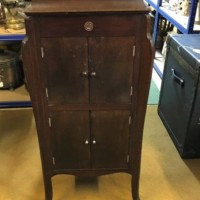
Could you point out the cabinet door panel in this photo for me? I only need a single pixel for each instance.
(111, 58)
(109, 140)
(70, 130)
(63, 62)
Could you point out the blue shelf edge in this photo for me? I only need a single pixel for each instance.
(160, 74)
(174, 22)
(15, 104)
(12, 37)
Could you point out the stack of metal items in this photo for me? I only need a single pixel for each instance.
(12, 14)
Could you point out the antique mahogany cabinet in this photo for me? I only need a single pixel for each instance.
(88, 68)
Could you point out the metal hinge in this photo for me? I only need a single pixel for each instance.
(128, 158)
(129, 120)
(49, 122)
(42, 52)
(47, 92)
(198, 121)
(131, 93)
(53, 159)
(134, 50)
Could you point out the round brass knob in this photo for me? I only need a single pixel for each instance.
(84, 74)
(93, 74)
(86, 142)
(88, 26)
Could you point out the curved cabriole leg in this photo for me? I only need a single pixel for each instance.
(48, 188)
(135, 188)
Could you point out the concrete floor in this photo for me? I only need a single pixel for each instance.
(164, 175)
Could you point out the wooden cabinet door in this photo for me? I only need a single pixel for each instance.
(80, 141)
(70, 134)
(64, 62)
(85, 139)
(111, 69)
(110, 139)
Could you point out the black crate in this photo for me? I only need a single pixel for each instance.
(179, 103)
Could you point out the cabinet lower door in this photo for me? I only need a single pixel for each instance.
(95, 139)
(110, 136)
(70, 136)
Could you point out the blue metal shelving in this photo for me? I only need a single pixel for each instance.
(187, 27)
(12, 37)
(13, 103)
(174, 18)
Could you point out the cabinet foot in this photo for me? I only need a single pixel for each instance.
(48, 189)
(135, 187)
(136, 198)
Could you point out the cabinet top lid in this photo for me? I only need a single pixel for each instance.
(85, 6)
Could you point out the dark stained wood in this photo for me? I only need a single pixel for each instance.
(110, 132)
(88, 69)
(91, 6)
(103, 25)
(60, 54)
(70, 134)
(111, 59)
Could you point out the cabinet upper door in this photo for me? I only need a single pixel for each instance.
(64, 63)
(95, 70)
(111, 69)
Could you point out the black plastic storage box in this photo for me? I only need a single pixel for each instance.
(179, 104)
